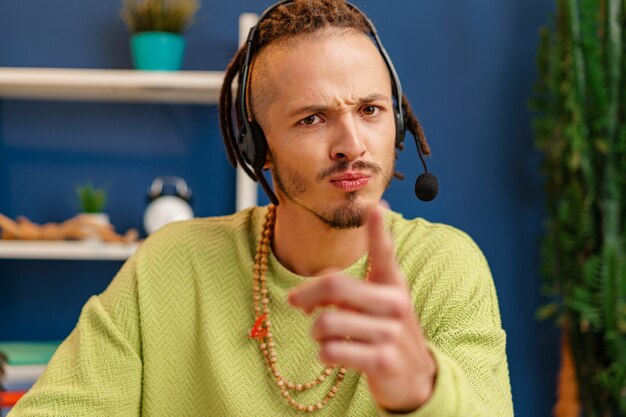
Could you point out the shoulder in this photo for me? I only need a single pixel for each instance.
(202, 236)
(420, 238)
(445, 268)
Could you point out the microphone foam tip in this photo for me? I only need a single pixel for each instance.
(426, 187)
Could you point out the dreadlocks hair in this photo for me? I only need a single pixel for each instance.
(289, 21)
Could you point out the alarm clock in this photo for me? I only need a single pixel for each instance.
(169, 199)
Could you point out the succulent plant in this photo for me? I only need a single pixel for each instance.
(159, 15)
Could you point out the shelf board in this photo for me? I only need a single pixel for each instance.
(66, 250)
(190, 87)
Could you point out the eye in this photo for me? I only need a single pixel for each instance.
(370, 110)
(311, 120)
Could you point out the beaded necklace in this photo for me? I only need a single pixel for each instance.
(265, 336)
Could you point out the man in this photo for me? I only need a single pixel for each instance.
(308, 306)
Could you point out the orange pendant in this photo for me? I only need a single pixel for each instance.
(259, 332)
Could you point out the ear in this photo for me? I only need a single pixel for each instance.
(268, 161)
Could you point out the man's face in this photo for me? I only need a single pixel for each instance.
(329, 125)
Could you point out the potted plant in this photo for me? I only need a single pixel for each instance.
(92, 202)
(157, 42)
(580, 100)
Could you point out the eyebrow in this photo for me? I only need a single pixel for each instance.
(321, 109)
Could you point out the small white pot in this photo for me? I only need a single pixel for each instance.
(97, 218)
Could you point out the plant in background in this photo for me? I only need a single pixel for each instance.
(172, 16)
(580, 100)
(91, 199)
(157, 43)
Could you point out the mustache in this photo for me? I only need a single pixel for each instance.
(346, 165)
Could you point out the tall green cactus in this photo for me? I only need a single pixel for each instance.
(580, 125)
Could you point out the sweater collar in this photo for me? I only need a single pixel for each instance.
(286, 279)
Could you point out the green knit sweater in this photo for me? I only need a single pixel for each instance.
(168, 337)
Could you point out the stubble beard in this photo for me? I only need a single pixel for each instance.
(349, 214)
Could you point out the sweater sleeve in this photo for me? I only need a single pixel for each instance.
(97, 370)
(459, 312)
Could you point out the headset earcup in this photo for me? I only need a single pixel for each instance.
(253, 146)
(246, 148)
(260, 146)
(400, 128)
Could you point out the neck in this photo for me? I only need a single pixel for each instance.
(307, 246)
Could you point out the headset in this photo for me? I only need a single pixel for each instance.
(251, 142)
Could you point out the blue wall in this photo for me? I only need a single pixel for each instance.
(467, 67)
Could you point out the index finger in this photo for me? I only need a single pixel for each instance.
(382, 253)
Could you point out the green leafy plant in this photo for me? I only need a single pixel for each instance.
(159, 15)
(580, 100)
(91, 199)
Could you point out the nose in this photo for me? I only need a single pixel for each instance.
(348, 144)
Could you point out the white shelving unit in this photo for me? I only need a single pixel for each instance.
(180, 87)
(66, 250)
(112, 85)
(193, 87)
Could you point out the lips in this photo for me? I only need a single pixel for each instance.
(350, 181)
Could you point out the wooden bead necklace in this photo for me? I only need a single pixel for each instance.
(265, 336)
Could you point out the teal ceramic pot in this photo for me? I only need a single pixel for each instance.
(157, 51)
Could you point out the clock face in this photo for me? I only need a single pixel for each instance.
(164, 210)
